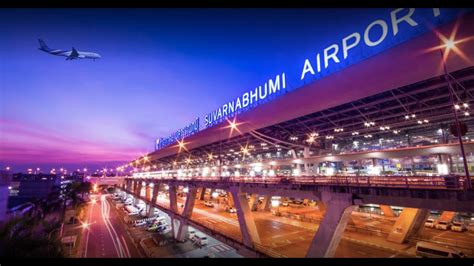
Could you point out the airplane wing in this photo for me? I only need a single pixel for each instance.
(74, 53)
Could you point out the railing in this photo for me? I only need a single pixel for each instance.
(450, 182)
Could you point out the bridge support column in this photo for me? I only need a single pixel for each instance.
(148, 192)
(451, 165)
(210, 194)
(135, 187)
(247, 225)
(138, 192)
(407, 224)
(266, 203)
(253, 202)
(139, 188)
(230, 200)
(387, 210)
(326, 240)
(202, 194)
(129, 185)
(321, 207)
(447, 216)
(306, 155)
(173, 198)
(176, 224)
(156, 188)
(187, 212)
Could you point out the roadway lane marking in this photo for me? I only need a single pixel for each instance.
(285, 235)
(88, 231)
(107, 226)
(126, 247)
(122, 250)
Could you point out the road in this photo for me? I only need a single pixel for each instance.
(292, 238)
(104, 233)
(288, 237)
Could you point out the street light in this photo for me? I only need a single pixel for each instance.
(85, 226)
(449, 44)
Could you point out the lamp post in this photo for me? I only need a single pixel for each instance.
(458, 127)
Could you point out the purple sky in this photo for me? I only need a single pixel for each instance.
(160, 69)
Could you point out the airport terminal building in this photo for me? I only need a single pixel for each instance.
(377, 123)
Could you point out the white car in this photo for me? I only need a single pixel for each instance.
(430, 223)
(458, 227)
(208, 204)
(231, 210)
(442, 225)
(285, 204)
(139, 223)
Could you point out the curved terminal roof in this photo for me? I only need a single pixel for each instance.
(398, 70)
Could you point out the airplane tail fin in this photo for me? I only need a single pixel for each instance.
(43, 45)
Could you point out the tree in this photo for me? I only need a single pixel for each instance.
(19, 238)
(85, 187)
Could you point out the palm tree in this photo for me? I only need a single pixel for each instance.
(19, 238)
(85, 187)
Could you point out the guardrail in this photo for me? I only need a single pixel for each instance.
(449, 182)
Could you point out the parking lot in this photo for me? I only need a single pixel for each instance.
(153, 233)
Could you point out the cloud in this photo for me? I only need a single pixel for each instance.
(32, 143)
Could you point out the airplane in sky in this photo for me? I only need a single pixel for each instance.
(70, 55)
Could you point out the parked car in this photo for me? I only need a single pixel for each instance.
(430, 250)
(458, 226)
(191, 234)
(285, 204)
(208, 204)
(443, 225)
(231, 209)
(430, 223)
(139, 223)
(298, 201)
(200, 239)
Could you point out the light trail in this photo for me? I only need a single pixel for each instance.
(104, 215)
(122, 250)
(88, 231)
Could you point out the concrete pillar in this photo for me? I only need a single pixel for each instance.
(447, 216)
(173, 198)
(387, 210)
(247, 225)
(451, 165)
(148, 192)
(230, 200)
(139, 188)
(176, 223)
(266, 203)
(253, 202)
(203, 193)
(187, 212)
(156, 188)
(321, 206)
(210, 194)
(407, 224)
(135, 187)
(306, 155)
(326, 240)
